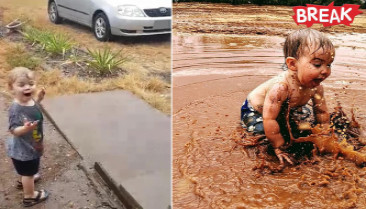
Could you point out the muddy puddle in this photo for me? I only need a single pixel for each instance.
(219, 56)
(212, 76)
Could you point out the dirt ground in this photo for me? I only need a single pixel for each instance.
(70, 181)
(220, 54)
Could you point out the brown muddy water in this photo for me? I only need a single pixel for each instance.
(212, 76)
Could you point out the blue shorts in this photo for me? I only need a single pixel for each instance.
(251, 119)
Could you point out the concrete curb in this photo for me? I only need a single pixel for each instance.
(119, 191)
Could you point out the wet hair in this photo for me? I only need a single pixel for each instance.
(19, 72)
(297, 42)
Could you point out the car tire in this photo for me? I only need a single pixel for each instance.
(101, 27)
(53, 13)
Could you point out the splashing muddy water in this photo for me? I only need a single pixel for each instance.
(212, 76)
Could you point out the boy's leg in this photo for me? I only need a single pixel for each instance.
(36, 178)
(32, 197)
(28, 186)
(27, 169)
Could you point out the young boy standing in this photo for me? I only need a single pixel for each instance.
(26, 124)
(308, 57)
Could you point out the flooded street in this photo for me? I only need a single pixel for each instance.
(212, 75)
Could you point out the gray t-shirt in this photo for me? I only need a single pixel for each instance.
(30, 145)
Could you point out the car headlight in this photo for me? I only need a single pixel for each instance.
(130, 11)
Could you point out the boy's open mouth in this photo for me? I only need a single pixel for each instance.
(318, 80)
(27, 94)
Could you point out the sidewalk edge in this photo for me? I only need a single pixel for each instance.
(122, 194)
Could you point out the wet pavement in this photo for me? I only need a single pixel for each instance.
(130, 139)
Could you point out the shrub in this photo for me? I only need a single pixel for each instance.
(105, 61)
(56, 44)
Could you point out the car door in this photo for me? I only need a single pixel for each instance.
(64, 10)
(82, 10)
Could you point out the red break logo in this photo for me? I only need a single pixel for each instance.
(326, 15)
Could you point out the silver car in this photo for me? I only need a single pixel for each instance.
(115, 17)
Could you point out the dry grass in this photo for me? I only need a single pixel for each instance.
(17, 56)
(136, 83)
(56, 84)
(155, 84)
(150, 91)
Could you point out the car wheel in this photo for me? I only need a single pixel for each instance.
(53, 13)
(101, 27)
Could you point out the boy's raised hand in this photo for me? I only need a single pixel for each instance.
(40, 94)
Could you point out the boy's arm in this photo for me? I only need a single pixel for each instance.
(21, 130)
(271, 108)
(320, 107)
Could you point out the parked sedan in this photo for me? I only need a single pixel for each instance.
(115, 17)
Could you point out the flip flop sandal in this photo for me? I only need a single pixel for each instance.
(27, 202)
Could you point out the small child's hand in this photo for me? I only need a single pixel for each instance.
(283, 156)
(29, 126)
(40, 94)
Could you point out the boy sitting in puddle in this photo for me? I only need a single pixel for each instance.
(308, 57)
